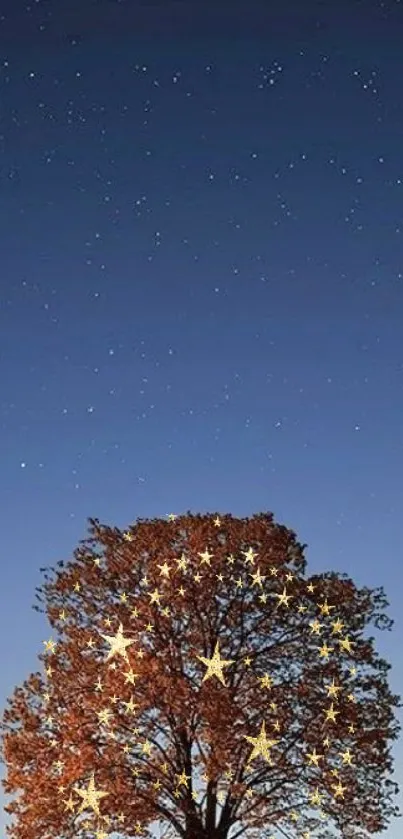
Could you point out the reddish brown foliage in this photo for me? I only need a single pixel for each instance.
(177, 588)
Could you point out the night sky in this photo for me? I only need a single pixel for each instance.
(201, 289)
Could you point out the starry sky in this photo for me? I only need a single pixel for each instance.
(201, 288)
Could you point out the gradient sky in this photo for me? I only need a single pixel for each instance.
(201, 290)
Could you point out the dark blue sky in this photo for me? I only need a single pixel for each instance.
(201, 282)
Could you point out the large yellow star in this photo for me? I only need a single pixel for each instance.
(283, 598)
(313, 757)
(118, 644)
(257, 578)
(261, 744)
(90, 797)
(214, 665)
(205, 557)
(333, 689)
(347, 757)
(331, 713)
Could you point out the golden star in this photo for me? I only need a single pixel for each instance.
(339, 790)
(164, 569)
(266, 681)
(331, 714)
(333, 689)
(261, 744)
(250, 556)
(69, 804)
(316, 627)
(217, 522)
(130, 706)
(182, 563)
(311, 588)
(230, 559)
(313, 757)
(257, 578)
(104, 716)
(316, 797)
(205, 557)
(337, 626)
(90, 797)
(215, 665)
(238, 583)
(155, 596)
(347, 757)
(118, 644)
(183, 779)
(146, 748)
(283, 598)
(128, 536)
(325, 608)
(345, 644)
(50, 646)
(325, 651)
(130, 677)
(172, 517)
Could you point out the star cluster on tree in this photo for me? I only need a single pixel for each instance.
(199, 678)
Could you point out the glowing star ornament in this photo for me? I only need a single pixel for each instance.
(261, 744)
(215, 665)
(117, 643)
(90, 797)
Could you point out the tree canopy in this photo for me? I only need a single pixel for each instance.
(199, 678)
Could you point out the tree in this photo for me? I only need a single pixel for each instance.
(201, 679)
